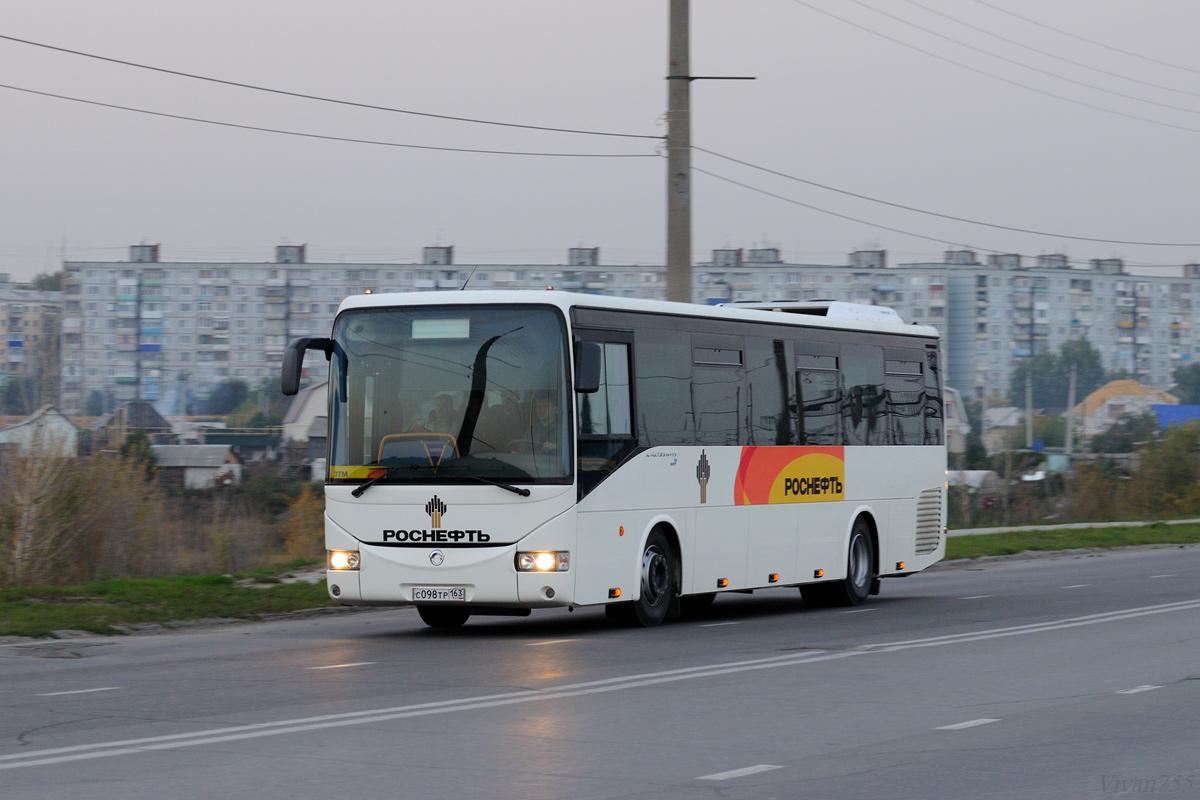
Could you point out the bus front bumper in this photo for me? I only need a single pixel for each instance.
(474, 576)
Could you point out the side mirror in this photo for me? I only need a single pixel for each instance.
(293, 361)
(588, 360)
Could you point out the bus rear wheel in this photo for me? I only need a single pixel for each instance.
(855, 588)
(443, 617)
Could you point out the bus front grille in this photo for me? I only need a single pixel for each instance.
(929, 521)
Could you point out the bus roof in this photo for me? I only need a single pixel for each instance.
(772, 312)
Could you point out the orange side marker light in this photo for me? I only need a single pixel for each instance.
(614, 593)
(773, 577)
(818, 573)
(900, 565)
(722, 583)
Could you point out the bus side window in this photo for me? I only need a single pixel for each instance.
(862, 403)
(904, 389)
(934, 421)
(819, 400)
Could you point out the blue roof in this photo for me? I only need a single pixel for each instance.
(1175, 415)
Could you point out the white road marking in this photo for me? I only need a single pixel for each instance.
(977, 597)
(80, 691)
(973, 723)
(1168, 575)
(1076, 586)
(739, 773)
(549, 641)
(58, 755)
(340, 666)
(1139, 689)
(719, 624)
(859, 610)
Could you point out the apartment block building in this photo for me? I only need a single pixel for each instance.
(166, 330)
(28, 329)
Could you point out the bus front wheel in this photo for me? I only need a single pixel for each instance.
(443, 617)
(658, 581)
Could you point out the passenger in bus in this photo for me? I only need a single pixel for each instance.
(441, 419)
(544, 423)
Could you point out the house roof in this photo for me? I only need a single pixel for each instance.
(1125, 388)
(138, 414)
(192, 455)
(297, 406)
(44, 411)
(319, 428)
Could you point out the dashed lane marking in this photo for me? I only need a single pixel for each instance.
(80, 691)
(971, 723)
(739, 773)
(342, 666)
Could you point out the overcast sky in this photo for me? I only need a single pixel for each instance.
(834, 102)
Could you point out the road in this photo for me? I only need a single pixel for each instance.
(1068, 676)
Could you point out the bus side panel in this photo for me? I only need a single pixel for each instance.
(898, 539)
(772, 544)
(606, 556)
(820, 540)
(720, 545)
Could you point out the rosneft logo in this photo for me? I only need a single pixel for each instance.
(435, 508)
(769, 475)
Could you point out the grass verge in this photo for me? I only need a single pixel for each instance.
(1002, 544)
(102, 606)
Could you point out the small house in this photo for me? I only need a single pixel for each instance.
(197, 466)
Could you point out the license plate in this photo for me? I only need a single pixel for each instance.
(455, 593)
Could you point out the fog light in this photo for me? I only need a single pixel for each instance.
(543, 562)
(343, 559)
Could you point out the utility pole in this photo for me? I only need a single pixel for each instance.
(679, 158)
(679, 152)
(1070, 415)
(1029, 409)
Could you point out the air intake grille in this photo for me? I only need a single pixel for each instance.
(929, 521)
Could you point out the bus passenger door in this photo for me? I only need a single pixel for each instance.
(608, 497)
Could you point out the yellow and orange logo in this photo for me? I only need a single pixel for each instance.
(790, 475)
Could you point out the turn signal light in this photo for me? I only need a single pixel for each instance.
(722, 583)
(614, 593)
(900, 565)
(773, 577)
(818, 573)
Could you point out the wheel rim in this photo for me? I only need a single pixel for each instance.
(655, 573)
(860, 560)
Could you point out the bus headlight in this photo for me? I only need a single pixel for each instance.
(343, 559)
(543, 562)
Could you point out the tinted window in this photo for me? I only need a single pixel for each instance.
(904, 387)
(767, 397)
(933, 399)
(718, 394)
(663, 377)
(819, 400)
(607, 412)
(862, 404)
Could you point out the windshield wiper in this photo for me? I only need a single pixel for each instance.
(367, 484)
(508, 486)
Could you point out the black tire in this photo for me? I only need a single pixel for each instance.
(696, 605)
(861, 574)
(659, 580)
(860, 568)
(443, 616)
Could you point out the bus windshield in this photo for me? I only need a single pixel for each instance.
(450, 394)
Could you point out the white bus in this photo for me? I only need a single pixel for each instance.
(496, 452)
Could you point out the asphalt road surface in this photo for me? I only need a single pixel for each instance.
(1064, 677)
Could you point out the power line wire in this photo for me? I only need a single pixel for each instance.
(916, 210)
(1084, 39)
(994, 76)
(835, 213)
(1017, 63)
(320, 98)
(322, 136)
(1047, 53)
